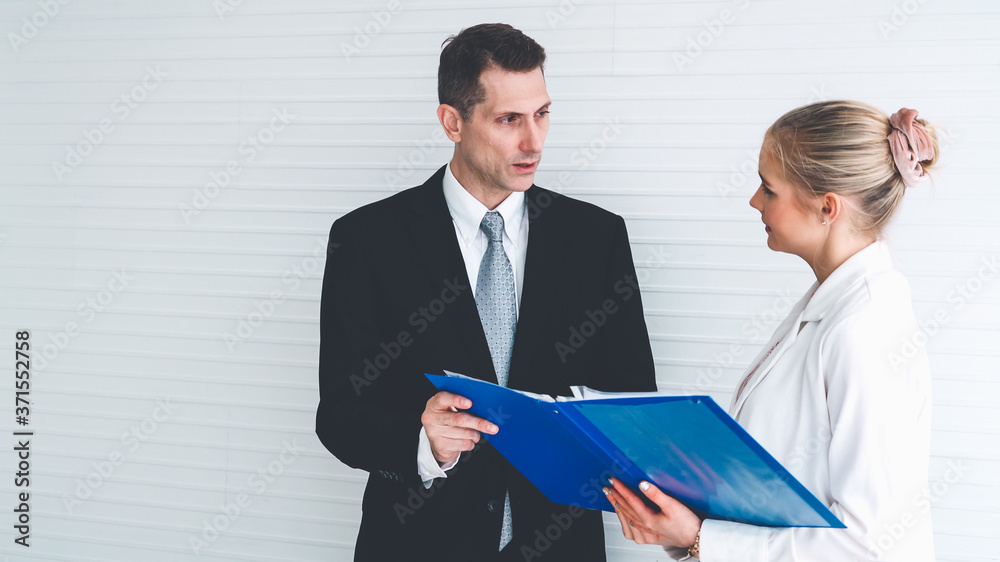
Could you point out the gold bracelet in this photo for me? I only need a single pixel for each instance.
(693, 551)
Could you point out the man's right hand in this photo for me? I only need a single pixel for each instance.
(449, 430)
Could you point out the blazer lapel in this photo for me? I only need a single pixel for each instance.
(543, 265)
(815, 304)
(788, 331)
(763, 370)
(433, 234)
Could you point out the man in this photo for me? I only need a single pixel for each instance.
(476, 271)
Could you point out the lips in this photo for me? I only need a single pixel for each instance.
(526, 166)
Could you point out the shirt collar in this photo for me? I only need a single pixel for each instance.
(468, 212)
(872, 259)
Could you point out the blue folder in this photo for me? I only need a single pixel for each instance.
(687, 445)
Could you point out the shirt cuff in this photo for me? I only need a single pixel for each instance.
(727, 540)
(427, 466)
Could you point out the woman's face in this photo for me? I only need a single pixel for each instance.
(790, 227)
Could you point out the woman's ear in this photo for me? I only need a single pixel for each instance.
(832, 207)
(451, 120)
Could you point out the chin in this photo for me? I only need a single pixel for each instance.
(522, 184)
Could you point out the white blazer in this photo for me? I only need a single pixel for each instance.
(843, 402)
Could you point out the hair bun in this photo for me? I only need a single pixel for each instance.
(911, 144)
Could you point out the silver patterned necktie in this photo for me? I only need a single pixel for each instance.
(497, 306)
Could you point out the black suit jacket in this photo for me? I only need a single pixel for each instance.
(397, 303)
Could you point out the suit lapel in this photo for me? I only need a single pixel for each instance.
(542, 273)
(789, 330)
(763, 370)
(433, 234)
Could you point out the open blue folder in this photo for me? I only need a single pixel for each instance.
(687, 445)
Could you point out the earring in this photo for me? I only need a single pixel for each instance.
(824, 222)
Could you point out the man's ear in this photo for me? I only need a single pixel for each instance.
(452, 122)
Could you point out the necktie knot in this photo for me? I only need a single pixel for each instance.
(492, 225)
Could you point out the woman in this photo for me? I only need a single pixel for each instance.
(837, 395)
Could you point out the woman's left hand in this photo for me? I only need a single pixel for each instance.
(675, 525)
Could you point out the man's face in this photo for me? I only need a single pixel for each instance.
(501, 143)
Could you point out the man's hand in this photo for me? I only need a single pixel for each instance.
(450, 431)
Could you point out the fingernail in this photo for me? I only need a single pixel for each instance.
(607, 492)
(494, 428)
(643, 485)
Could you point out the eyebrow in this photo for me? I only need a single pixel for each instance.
(543, 108)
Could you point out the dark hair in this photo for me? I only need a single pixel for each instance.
(465, 56)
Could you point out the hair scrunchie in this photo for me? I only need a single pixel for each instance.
(910, 144)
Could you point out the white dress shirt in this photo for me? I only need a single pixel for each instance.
(467, 213)
(844, 404)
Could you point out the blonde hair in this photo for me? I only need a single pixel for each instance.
(840, 147)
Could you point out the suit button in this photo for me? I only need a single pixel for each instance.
(494, 506)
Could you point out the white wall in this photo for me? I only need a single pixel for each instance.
(201, 262)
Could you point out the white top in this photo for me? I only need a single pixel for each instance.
(843, 402)
(467, 213)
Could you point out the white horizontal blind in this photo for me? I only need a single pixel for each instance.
(202, 150)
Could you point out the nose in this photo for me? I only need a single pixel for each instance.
(533, 137)
(755, 200)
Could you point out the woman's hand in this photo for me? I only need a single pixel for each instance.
(675, 525)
